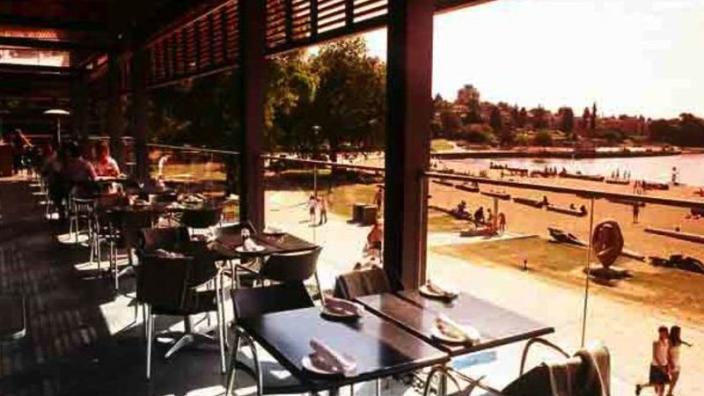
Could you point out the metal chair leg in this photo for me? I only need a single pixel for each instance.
(220, 323)
(150, 335)
(232, 369)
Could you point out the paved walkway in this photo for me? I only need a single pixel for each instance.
(626, 328)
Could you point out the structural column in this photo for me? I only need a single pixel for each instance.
(409, 106)
(139, 112)
(79, 104)
(252, 74)
(114, 113)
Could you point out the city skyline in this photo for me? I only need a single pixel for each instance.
(644, 59)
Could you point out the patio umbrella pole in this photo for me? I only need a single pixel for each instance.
(586, 271)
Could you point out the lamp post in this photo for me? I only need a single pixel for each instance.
(58, 113)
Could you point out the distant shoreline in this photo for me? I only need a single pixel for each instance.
(561, 153)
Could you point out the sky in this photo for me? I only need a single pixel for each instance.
(630, 56)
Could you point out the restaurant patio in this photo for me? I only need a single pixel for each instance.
(182, 270)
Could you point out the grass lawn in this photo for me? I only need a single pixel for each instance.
(441, 145)
(662, 289)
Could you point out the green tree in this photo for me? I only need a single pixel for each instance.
(543, 138)
(566, 120)
(349, 104)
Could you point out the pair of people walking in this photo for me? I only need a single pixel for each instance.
(317, 205)
(665, 366)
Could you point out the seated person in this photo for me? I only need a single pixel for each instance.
(479, 215)
(78, 171)
(105, 165)
(583, 209)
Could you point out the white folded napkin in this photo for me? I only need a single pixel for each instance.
(250, 246)
(328, 359)
(452, 329)
(342, 307)
(435, 288)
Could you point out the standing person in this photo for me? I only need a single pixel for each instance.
(675, 175)
(659, 367)
(19, 143)
(502, 222)
(323, 210)
(379, 197)
(375, 239)
(673, 356)
(312, 204)
(636, 212)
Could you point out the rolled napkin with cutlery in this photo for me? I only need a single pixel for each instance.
(327, 359)
(452, 329)
(342, 307)
(440, 290)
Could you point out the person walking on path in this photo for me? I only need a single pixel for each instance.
(636, 212)
(673, 357)
(323, 210)
(659, 366)
(312, 204)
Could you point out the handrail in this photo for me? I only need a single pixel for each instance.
(325, 163)
(191, 148)
(581, 192)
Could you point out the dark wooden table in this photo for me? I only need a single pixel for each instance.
(13, 324)
(380, 347)
(497, 326)
(280, 243)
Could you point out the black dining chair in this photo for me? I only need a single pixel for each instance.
(251, 303)
(362, 282)
(292, 267)
(233, 261)
(201, 218)
(126, 233)
(164, 288)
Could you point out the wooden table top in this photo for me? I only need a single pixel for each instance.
(380, 347)
(497, 326)
(13, 325)
(281, 243)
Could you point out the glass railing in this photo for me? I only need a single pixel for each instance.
(528, 249)
(190, 170)
(334, 205)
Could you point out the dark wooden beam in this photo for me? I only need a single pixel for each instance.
(58, 45)
(253, 65)
(113, 109)
(43, 23)
(140, 65)
(50, 71)
(409, 107)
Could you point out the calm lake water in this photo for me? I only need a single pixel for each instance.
(657, 169)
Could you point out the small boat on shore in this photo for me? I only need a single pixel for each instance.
(468, 187)
(628, 202)
(443, 183)
(685, 236)
(655, 186)
(536, 203)
(622, 182)
(569, 211)
(497, 194)
(580, 176)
